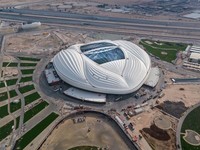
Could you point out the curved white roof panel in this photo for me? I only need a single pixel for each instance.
(114, 67)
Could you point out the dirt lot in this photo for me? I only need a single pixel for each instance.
(159, 139)
(15, 2)
(188, 94)
(44, 42)
(32, 42)
(69, 135)
(144, 119)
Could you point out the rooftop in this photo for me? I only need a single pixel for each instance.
(102, 52)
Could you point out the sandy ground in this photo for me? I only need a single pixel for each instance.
(189, 96)
(52, 41)
(8, 59)
(16, 2)
(32, 42)
(120, 2)
(89, 7)
(144, 119)
(69, 135)
(162, 145)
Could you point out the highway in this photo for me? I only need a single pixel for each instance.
(180, 30)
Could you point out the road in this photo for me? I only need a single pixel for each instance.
(189, 31)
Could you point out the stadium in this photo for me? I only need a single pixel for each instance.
(110, 67)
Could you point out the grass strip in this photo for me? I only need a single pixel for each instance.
(11, 82)
(35, 131)
(28, 64)
(8, 64)
(32, 97)
(35, 110)
(7, 129)
(2, 84)
(27, 71)
(13, 108)
(26, 88)
(8, 82)
(4, 95)
(26, 79)
(29, 59)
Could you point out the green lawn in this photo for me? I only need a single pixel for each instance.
(13, 108)
(12, 64)
(27, 71)
(84, 148)
(26, 88)
(186, 146)
(3, 111)
(2, 84)
(169, 48)
(7, 129)
(28, 64)
(4, 96)
(35, 131)
(35, 110)
(26, 79)
(191, 122)
(29, 59)
(9, 82)
(32, 97)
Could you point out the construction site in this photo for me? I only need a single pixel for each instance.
(37, 115)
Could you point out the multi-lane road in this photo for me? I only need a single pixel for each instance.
(183, 31)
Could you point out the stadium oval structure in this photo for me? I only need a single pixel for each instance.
(112, 67)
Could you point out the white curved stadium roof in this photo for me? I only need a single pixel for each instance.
(114, 67)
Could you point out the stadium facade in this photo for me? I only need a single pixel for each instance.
(112, 67)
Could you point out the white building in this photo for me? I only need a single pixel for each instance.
(115, 67)
(195, 57)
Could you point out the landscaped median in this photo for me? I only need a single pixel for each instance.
(8, 82)
(28, 64)
(26, 79)
(30, 98)
(13, 107)
(10, 64)
(35, 131)
(29, 59)
(4, 95)
(26, 88)
(27, 71)
(7, 128)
